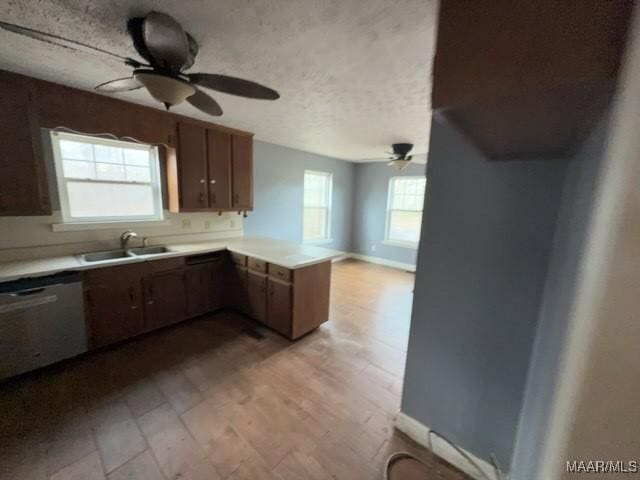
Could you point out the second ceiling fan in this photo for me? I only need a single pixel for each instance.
(169, 51)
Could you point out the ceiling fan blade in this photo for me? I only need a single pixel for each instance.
(57, 40)
(204, 102)
(165, 40)
(119, 85)
(234, 86)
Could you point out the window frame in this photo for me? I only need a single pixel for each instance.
(390, 194)
(328, 207)
(155, 181)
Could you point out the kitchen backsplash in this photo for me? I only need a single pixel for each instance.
(32, 237)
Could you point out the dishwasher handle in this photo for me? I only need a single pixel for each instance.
(24, 293)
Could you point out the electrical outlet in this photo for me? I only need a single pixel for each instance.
(186, 223)
(373, 248)
(207, 224)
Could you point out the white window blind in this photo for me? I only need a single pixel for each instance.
(317, 206)
(103, 180)
(404, 210)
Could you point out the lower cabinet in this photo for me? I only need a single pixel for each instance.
(197, 295)
(114, 304)
(291, 302)
(165, 299)
(127, 300)
(279, 303)
(205, 286)
(238, 288)
(256, 293)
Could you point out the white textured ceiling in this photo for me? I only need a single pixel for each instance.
(354, 75)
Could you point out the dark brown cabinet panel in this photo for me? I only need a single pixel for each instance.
(204, 285)
(242, 172)
(114, 304)
(165, 299)
(23, 185)
(197, 282)
(311, 293)
(257, 295)
(192, 166)
(238, 285)
(216, 283)
(219, 164)
(279, 305)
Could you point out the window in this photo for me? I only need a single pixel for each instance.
(106, 180)
(404, 210)
(317, 206)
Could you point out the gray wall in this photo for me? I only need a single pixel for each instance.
(482, 262)
(370, 211)
(568, 248)
(279, 192)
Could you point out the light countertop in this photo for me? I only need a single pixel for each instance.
(279, 252)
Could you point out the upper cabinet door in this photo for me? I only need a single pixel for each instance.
(242, 162)
(23, 184)
(192, 166)
(219, 162)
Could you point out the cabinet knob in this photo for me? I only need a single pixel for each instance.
(134, 307)
(202, 180)
(213, 182)
(150, 302)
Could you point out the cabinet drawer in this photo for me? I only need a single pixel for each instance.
(257, 265)
(165, 265)
(239, 259)
(114, 275)
(281, 273)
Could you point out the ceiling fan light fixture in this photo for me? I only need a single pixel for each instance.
(168, 90)
(400, 158)
(400, 163)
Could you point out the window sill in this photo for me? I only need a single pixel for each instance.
(393, 243)
(322, 241)
(77, 227)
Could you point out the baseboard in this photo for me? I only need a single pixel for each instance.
(420, 434)
(383, 261)
(341, 258)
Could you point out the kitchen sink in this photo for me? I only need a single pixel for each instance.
(154, 250)
(106, 255)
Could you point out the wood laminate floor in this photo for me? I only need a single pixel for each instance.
(206, 401)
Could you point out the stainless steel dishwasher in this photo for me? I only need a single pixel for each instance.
(41, 322)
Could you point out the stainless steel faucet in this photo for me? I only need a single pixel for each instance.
(125, 237)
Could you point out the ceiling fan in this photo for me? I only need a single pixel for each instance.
(400, 157)
(169, 51)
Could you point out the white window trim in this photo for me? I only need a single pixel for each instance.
(390, 241)
(76, 222)
(327, 239)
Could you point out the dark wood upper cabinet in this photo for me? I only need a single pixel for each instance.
(61, 106)
(242, 172)
(192, 166)
(23, 183)
(213, 169)
(219, 169)
(208, 167)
